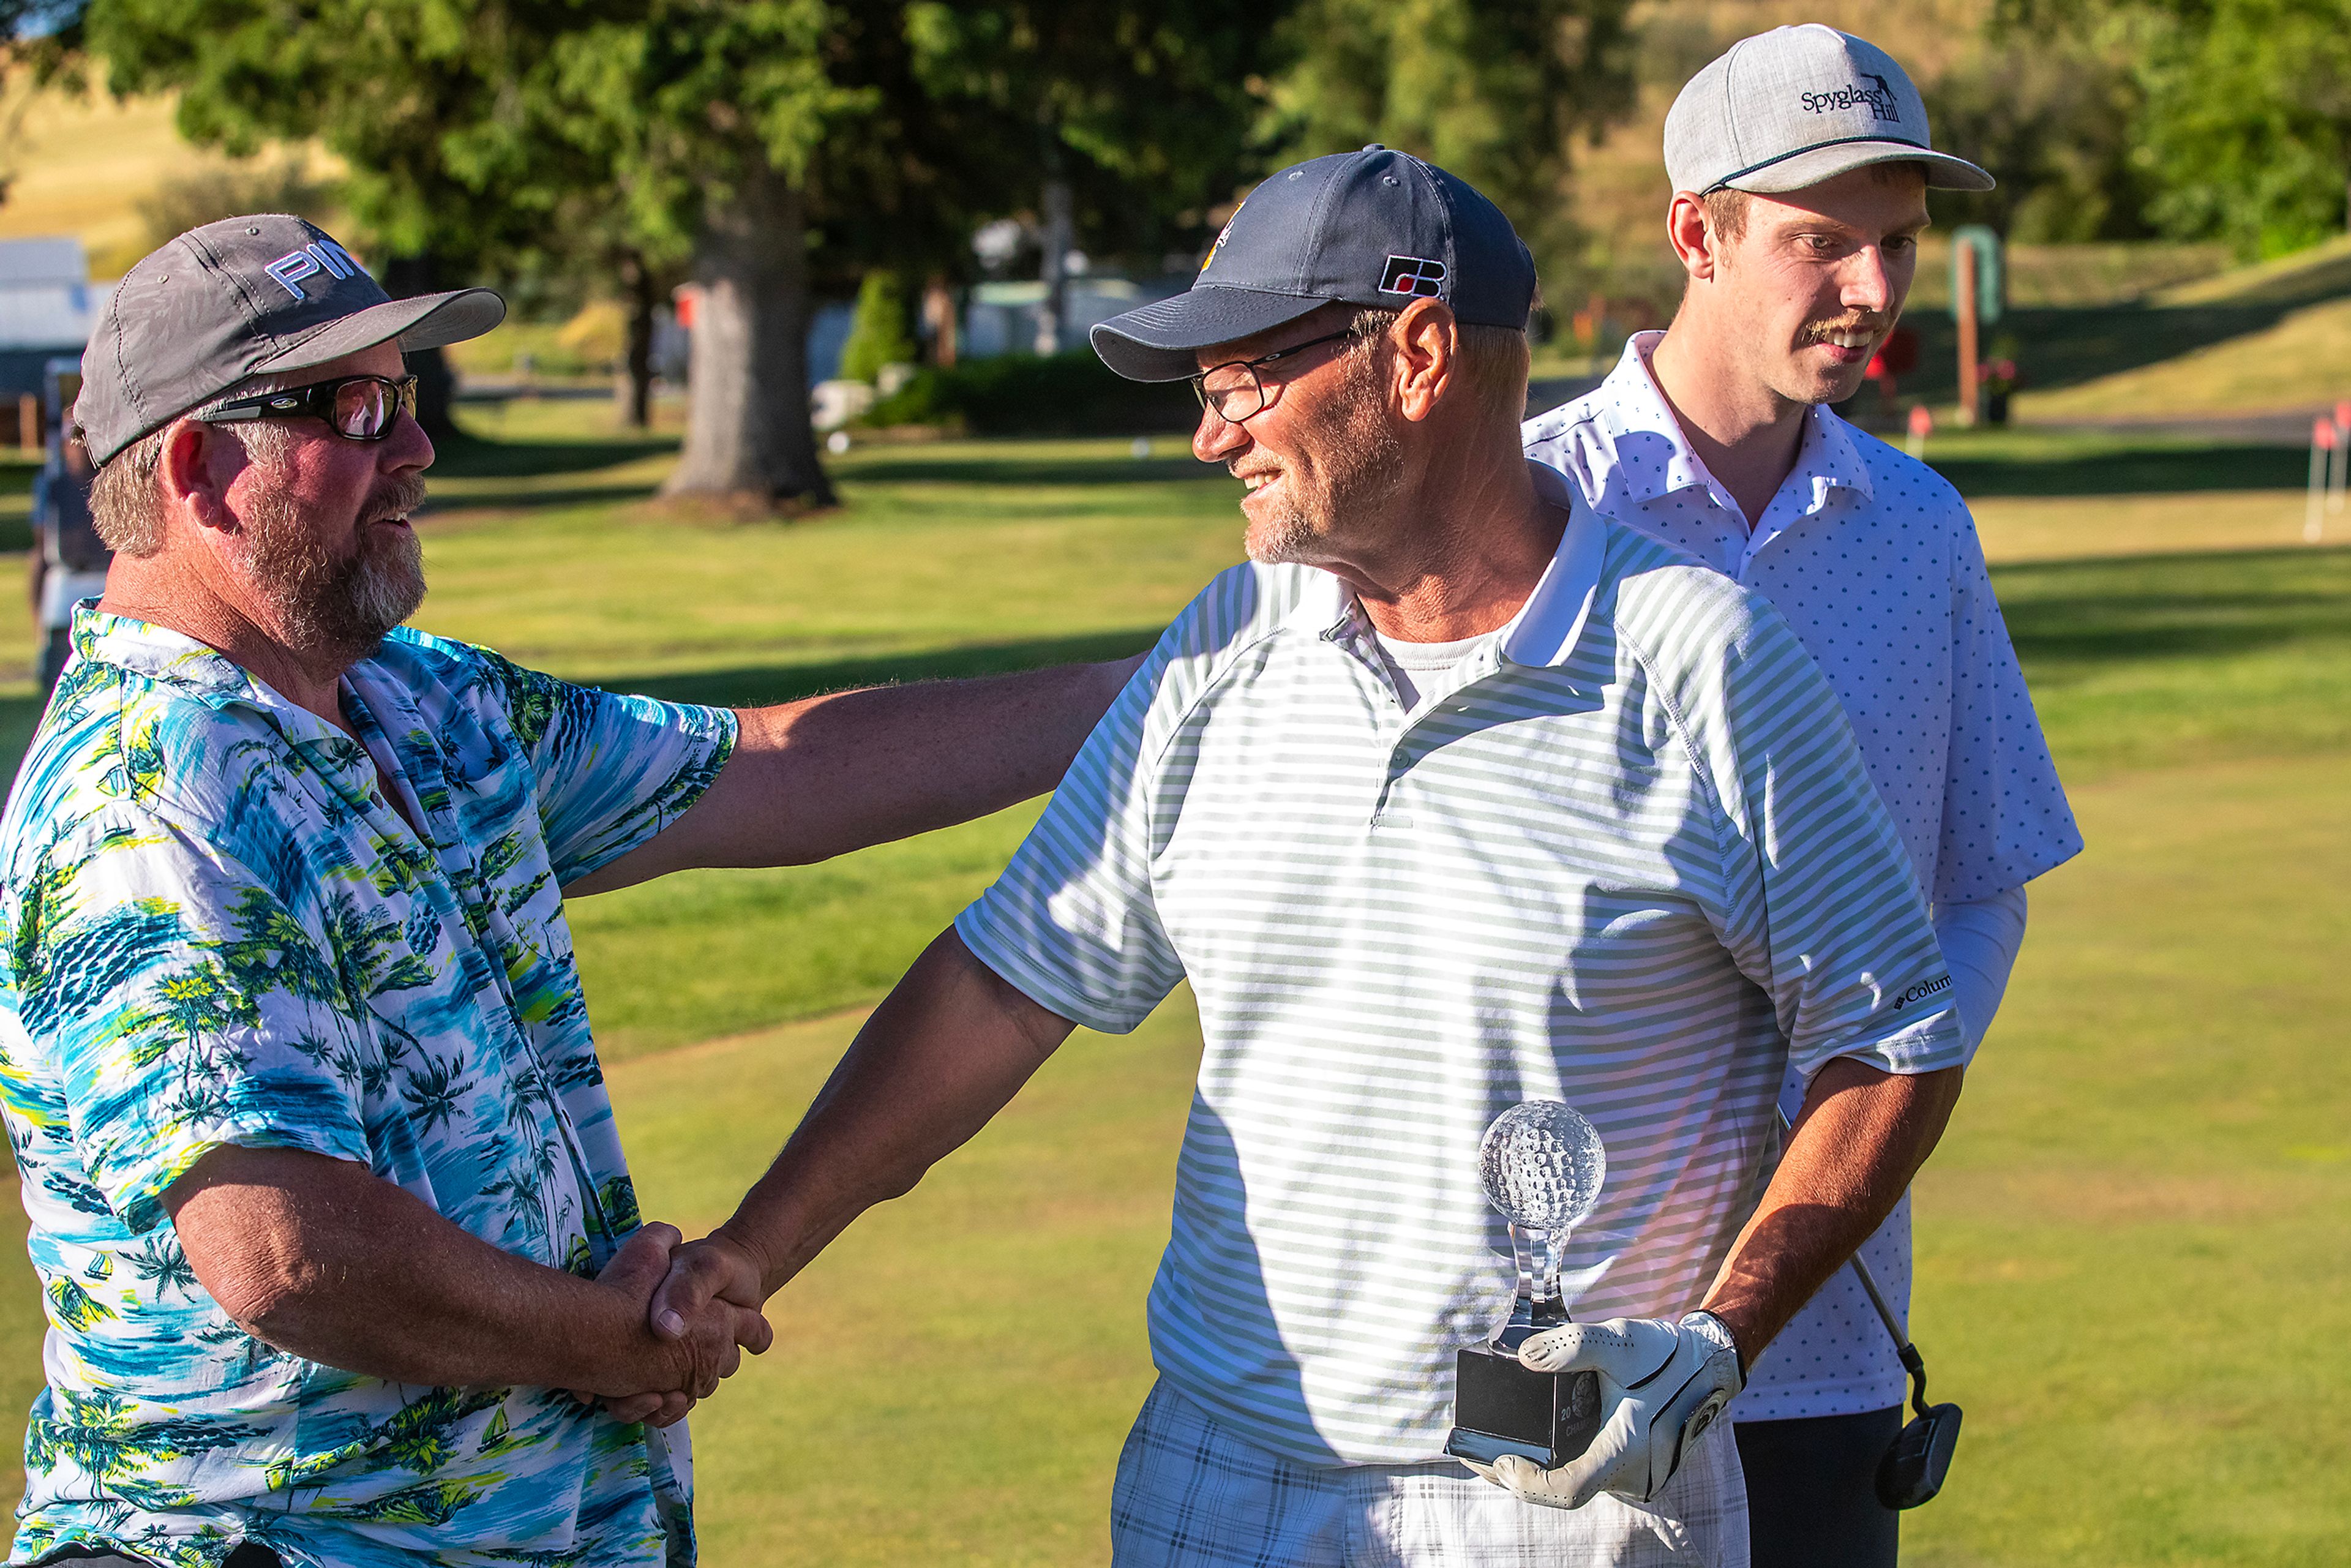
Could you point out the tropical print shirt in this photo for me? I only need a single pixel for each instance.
(218, 931)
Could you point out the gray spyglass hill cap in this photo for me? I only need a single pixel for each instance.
(239, 298)
(1796, 106)
(1376, 227)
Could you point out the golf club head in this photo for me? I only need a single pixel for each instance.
(1913, 1470)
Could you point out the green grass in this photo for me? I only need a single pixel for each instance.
(2161, 661)
(2128, 1244)
(2131, 1241)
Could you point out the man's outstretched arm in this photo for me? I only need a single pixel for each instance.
(819, 777)
(938, 1058)
(322, 1258)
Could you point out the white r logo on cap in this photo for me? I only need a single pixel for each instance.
(1414, 274)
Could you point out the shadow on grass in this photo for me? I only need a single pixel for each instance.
(2082, 614)
(2129, 471)
(755, 685)
(1022, 468)
(479, 457)
(524, 499)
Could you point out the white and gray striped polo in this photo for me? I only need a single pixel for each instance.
(1625, 856)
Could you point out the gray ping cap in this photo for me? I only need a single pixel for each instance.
(239, 298)
(1796, 106)
(1376, 227)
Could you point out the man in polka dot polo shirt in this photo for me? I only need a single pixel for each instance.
(1799, 162)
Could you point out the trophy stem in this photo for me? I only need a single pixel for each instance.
(1541, 1256)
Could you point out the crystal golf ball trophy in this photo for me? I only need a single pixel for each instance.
(1541, 1165)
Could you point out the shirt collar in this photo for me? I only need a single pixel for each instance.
(1629, 403)
(1545, 629)
(190, 668)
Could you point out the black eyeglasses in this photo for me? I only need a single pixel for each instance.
(357, 408)
(1234, 389)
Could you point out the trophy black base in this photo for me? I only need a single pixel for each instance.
(1500, 1407)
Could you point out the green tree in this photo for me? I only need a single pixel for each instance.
(2244, 124)
(2054, 118)
(714, 114)
(790, 140)
(772, 143)
(1114, 125)
(1498, 91)
(393, 89)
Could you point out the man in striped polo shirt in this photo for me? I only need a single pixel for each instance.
(1796, 216)
(1455, 794)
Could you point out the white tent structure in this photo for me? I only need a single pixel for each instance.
(47, 306)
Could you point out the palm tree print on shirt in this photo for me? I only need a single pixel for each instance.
(216, 931)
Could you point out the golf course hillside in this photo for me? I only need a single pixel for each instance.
(2274, 338)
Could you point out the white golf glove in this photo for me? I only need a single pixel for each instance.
(1661, 1386)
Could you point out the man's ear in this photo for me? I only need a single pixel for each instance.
(1427, 353)
(1694, 244)
(192, 479)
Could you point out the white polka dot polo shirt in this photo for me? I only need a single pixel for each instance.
(1874, 560)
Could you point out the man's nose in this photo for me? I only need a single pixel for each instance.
(408, 447)
(1868, 284)
(1217, 436)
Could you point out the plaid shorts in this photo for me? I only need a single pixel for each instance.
(1191, 1494)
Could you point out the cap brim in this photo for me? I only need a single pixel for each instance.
(426, 321)
(1816, 164)
(1161, 341)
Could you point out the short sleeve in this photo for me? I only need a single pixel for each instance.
(1073, 923)
(1821, 906)
(2005, 816)
(187, 1007)
(610, 771)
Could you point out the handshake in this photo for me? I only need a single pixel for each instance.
(699, 1303)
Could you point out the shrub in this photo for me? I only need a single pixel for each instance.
(877, 332)
(1066, 394)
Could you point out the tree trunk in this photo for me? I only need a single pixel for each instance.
(633, 390)
(1059, 235)
(746, 434)
(436, 383)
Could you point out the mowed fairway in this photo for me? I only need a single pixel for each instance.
(2130, 1243)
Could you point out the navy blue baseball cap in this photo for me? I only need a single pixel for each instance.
(1376, 227)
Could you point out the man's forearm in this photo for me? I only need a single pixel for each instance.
(341, 1267)
(1861, 1137)
(812, 779)
(939, 1057)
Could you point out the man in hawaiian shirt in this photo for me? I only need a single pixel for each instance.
(325, 1198)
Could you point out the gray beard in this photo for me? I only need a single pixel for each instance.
(330, 609)
(1363, 464)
